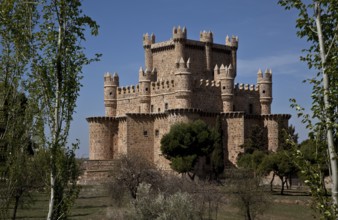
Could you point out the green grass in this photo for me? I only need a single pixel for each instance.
(94, 202)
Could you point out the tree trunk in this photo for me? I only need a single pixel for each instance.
(283, 183)
(248, 214)
(16, 205)
(329, 133)
(271, 182)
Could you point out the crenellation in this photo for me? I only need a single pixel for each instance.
(183, 80)
(179, 33)
(206, 36)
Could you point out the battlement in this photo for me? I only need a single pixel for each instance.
(224, 71)
(231, 42)
(179, 33)
(162, 85)
(133, 89)
(246, 87)
(182, 65)
(206, 36)
(266, 77)
(148, 40)
(207, 84)
(146, 75)
(111, 80)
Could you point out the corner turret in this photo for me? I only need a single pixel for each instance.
(233, 44)
(144, 82)
(207, 38)
(183, 84)
(179, 38)
(265, 90)
(227, 77)
(148, 56)
(110, 93)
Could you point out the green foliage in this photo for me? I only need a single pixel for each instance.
(42, 57)
(257, 140)
(252, 161)
(317, 23)
(185, 144)
(217, 155)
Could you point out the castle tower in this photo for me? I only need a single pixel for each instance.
(207, 38)
(148, 56)
(110, 93)
(179, 37)
(227, 77)
(265, 90)
(233, 44)
(183, 84)
(144, 82)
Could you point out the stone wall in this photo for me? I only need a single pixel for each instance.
(233, 128)
(101, 138)
(246, 98)
(140, 136)
(164, 59)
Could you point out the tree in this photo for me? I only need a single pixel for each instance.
(42, 56)
(263, 162)
(129, 172)
(217, 155)
(186, 144)
(256, 141)
(281, 165)
(254, 150)
(17, 20)
(312, 152)
(318, 24)
(247, 193)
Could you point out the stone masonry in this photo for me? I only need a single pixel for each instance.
(183, 80)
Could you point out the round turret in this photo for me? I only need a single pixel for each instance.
(110, 93)
(265, 90)
(148, 56)
(207, 38)
(183, 84)
(227, 86)
(233, 44)
(144, 82)
(179, 37)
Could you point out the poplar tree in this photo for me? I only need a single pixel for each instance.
(317, 22)
(54, 83)
(17, 21)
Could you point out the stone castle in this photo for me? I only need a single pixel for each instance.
(183, 80)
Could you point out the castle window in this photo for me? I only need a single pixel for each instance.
(146, 89)
(111, 93)
(157, 133)
(152, 108)
(223, 87)
(166, 106)
(263, 91)
(159, 109)
(145, 133)
(234, 108)
(250, 109)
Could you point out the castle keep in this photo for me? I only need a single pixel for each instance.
(183, 80)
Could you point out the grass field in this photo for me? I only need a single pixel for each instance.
(93, 203)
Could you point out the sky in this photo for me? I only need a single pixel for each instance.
(267, 39)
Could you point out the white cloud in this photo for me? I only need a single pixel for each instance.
(284, 64)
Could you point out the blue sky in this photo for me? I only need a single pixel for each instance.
(267, 39)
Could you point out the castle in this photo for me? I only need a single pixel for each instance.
(183, 80)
